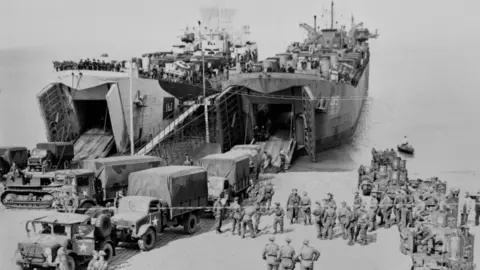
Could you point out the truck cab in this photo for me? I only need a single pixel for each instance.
(58, 154)
(80, 190)
(47, 234)
(140, 218)
(10, 155)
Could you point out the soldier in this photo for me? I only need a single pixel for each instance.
(372, 214)
(386, 206)
(278, 218)
(257, 215)
(329, 222)
(95, 258)
(352, 226)
(217, 212)
(426, 236)
(343, 218)
(247, 215)
(319, 213)
(331, 201)
(236, 212)
(357, 200)
(266, 159)
(268, 193)
(362, 225)
(293, 203)
(306, 203)
(287, 255)
(252, 190)
(14, 169)
(283, 160)
(101, 264)
(307, 256)
(45, 165)
(270, 254)
(398, 206)
(61, 261)
(468, 205)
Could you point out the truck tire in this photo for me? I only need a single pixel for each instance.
(85, 207)
(71, 262)
(108, 249)
(147, 240)
(190, 224)
(103, 225)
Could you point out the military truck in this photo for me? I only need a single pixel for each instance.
(159, 198)
(12, 154)
(255, 153)
(78, 233)
(451, 246)
(98, 182)
(228, 175)
(59, 155)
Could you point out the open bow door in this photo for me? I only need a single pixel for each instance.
(308, 100)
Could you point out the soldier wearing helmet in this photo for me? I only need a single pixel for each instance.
(287, 255)
(270, 254)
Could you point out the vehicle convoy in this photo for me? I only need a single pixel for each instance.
(158, 198)
(255, 152)
(10, 155)
(96, 183)
(449, 249)
(59, 155)
(78, 234)
(228, 175)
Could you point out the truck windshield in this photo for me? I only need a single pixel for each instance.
(132, 205)
(42, 228)
(38, 152)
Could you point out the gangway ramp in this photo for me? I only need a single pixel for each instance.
(170, 128)
(92, 144)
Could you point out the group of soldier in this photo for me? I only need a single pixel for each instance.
(88, 64)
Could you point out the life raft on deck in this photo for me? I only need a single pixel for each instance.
(407, 149)
(182, 64)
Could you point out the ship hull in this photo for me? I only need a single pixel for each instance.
(333, 125)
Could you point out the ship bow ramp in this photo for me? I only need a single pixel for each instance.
(92, 109)
(292, 111)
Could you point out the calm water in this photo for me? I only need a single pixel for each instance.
(413, 92)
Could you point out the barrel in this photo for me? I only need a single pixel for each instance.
(325, 66)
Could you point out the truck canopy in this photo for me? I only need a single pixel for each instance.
(114, 171)
(233, 165)
(253, 150)
(176, 185)
(64, 149)
(14, 154)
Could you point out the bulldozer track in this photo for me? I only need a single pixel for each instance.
(27, 205)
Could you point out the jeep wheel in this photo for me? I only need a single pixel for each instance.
(108, 249)
(70, 262)
(103, 225)
(190, 224)
(147, 241)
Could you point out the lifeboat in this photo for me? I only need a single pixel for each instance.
(407, 149)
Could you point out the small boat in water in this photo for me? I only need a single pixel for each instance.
(405, 148)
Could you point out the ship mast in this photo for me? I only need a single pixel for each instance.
(331, 16)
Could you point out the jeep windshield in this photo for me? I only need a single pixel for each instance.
(38, 152)
(45, 228)
(127, 205)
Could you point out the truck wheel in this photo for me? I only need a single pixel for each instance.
(147, 241)
(190, 224)
(85, 207)
(108, 249)
(103, 225)
(70, 262)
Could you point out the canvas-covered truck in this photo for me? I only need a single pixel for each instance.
(10, 155)
(78, 234)
(159, 198)
(96, 183)
(255, 153)
(59, 155)
(228, 175)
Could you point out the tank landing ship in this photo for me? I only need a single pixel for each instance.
(322, 94)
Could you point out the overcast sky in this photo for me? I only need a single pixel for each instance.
(127, 28)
